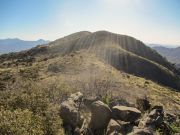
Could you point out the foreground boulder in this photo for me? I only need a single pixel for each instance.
(118, 126)
(69, 112)
(128, 114)
(113, 127)
(100, 115)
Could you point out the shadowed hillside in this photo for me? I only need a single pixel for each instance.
(172, 54)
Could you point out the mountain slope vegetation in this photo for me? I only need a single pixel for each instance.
(34, 82)
(122, 52)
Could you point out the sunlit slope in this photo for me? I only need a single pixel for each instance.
(103, 38)
(122, 52)
(84, 71)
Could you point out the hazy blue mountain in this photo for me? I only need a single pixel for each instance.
(171, 54)
(15, 44)
(162, 45)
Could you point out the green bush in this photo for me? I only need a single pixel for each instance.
(175, 127)
(20, 122)
(30, 110)
(52, 122)
(107, 99)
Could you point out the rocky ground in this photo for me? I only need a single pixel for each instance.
(90, 116)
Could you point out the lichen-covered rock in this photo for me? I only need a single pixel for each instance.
(100, 115)
(69, 111)
(119, 127)
(128, 114)
(113, 127)
(153, 119)
(78, 96)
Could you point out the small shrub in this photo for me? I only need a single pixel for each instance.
(20, 122)
(107, 99)
(32, 102)
(175, 127)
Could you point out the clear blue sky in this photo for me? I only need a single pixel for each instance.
(153, 21)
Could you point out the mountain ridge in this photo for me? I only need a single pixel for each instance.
(16, 44)
(172, 54)
(123, 52)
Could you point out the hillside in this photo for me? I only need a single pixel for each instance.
(83, 72)
(34, 82)
(15, 45)
(122, 52)
(172, 54)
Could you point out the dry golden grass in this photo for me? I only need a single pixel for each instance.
(87, 73)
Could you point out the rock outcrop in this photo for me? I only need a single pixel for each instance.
(69, 112)
(155, 120)
(118, 126)
(128, 114)
(101, 120)
(113, 127)
(100, 115)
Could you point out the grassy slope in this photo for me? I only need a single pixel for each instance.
(123, 52)
(91, 75)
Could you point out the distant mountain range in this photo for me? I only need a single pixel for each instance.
(15, 44)
(171, 54)
(163, 45)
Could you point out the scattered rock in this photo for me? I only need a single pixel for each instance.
(153, 119)
(89, 101)
(128, 114)
(142, 131)
(76, 97)
(69, 111)
(158, 108)
(120, 102)
(100, 115)
(77, 131)
(113, 127)
(143, 104)
(100, 120)
(170, 118)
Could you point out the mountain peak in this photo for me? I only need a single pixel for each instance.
(122, 52)
(16, 44)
